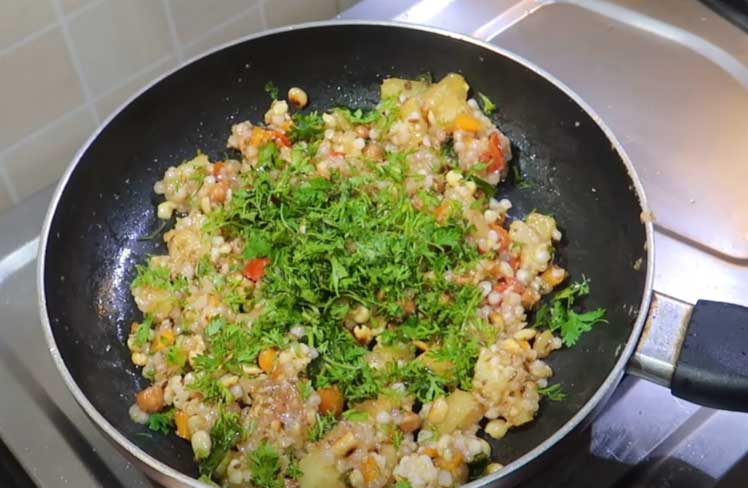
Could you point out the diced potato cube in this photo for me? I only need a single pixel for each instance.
(544, 225)
(464, 411)
(318, 468)
(392, 87)
(382, 355)
(447, 99)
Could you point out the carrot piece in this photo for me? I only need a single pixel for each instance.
(267, 359)
(183, 429)
(467, 123)
(553, 275)
(259, 136)
(442, 211)
(370, 469)
(162, 340)
(454, 463)
(217, 168)
(431, 452)
(255, 268)
(331, 400)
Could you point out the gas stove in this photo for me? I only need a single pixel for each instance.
(670, 78)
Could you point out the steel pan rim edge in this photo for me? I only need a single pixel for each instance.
(170, 474)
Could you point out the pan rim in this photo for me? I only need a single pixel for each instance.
(165, 473)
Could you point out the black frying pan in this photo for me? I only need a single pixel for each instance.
(105, 205)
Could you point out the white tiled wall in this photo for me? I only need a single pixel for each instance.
(66, 64)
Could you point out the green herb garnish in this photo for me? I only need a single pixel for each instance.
(322, 425)
(176, 356)
(144, 333)
(355, 416)
(161, 421)
(359, 116)
(265, 465)
(553, 392)
(307, 127)
(486, 104)
(559, 315)
(226, 432)
(272, 90)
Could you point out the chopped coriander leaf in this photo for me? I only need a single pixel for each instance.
(486, 104)
(161, 226)
(293, 470)
(487, 188)
(257, 246)
(398, 436)
(214, 326)
(448, 152)
(157, 277)
(207, 480)
(559, 316)
(144, 334)
(322, 425)
(519, 179)
(162, 421)
(425, 77)
(355, 416)
(224, 435)
(359, 116)
(176, 356)
(265, 466)
(272, 90)
(403, 484)
(306, 127)
(477, 467)
(424, 383)
(306, 390)
(389, 108)
(553, 392)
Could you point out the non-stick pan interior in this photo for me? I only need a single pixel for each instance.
(108, 204)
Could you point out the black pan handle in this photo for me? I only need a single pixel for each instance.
(712, 368)
(699, 351)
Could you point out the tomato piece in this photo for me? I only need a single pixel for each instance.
(494, 156)
(504, 238)
(281, 138)
(509, 283)
(255, 268)
(217, 168)
(337, 154)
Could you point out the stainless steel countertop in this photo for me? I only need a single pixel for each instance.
(669, 77)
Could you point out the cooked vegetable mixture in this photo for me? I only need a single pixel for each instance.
(345, 302)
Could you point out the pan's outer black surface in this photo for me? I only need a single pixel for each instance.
(107, 204)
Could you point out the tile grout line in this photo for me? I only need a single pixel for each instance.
(263, 18)
(134, 76)
(217, 28)
(29, 38)
(48, 28)
(36, 133)
(76, 62)
(8, 183)
(81, 10)
(25, 139)
(173, 32)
